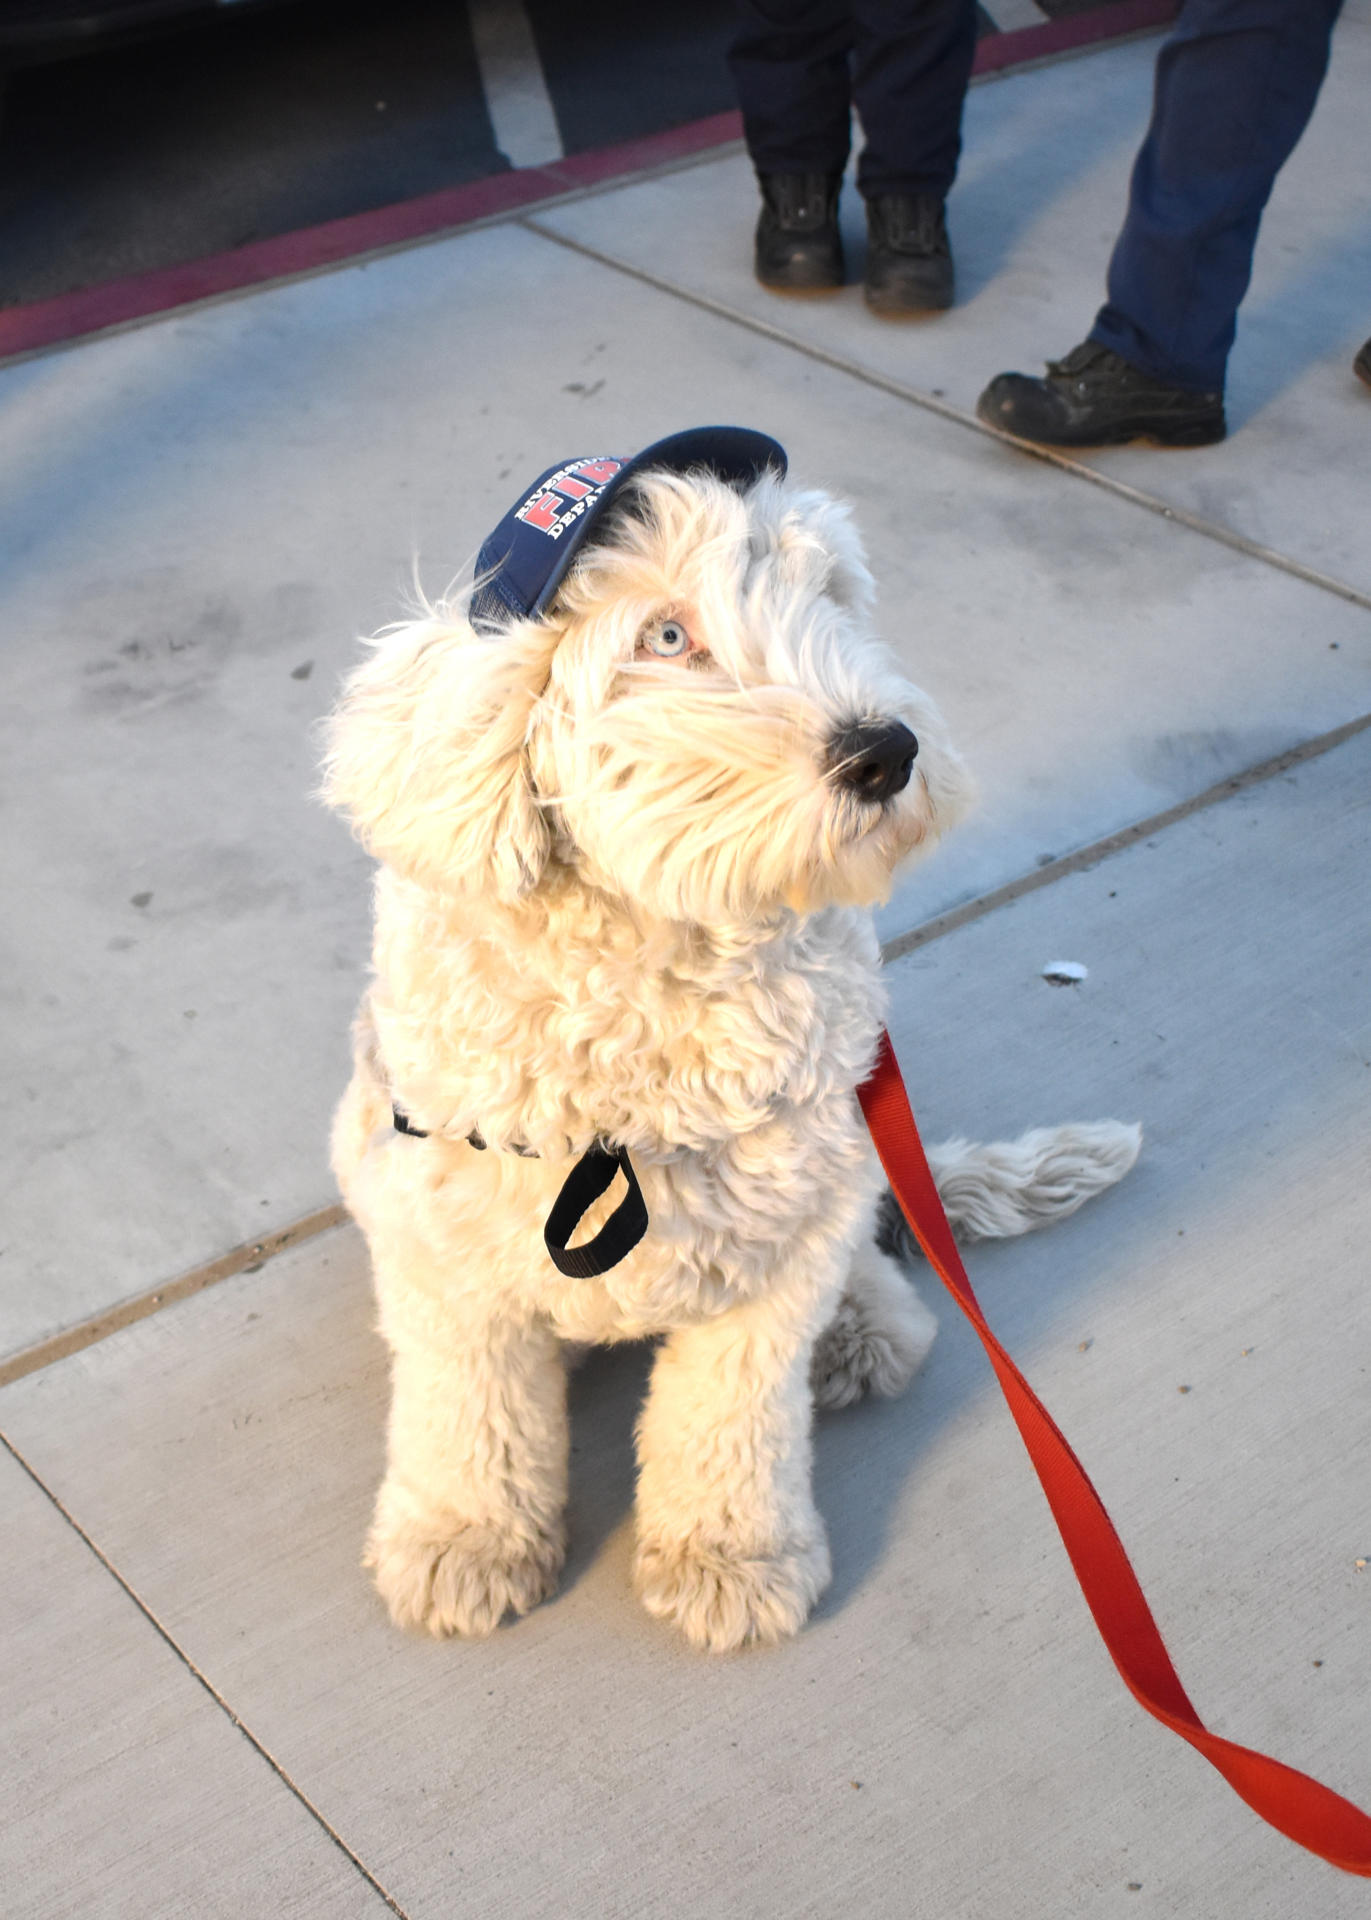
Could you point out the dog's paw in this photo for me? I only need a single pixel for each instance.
(463, 1581)
(722, 1600)
(876, 1341)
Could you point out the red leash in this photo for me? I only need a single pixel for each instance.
(1311, 1815)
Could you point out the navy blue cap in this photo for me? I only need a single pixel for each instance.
(525, 560)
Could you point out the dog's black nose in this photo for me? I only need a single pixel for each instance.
(873, 757)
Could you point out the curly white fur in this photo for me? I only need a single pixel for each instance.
(623, 897)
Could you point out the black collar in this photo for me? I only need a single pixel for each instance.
(589, 1178)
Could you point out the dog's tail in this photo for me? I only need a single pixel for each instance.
(1012, 1186)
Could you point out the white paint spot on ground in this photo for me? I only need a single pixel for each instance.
(521, 113)
(1009, 15)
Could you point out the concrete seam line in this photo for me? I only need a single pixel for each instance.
(1210, 529)
(1114, 843)
(243, 1259)
(247, 1258)
(198, 1673)
(898, 390)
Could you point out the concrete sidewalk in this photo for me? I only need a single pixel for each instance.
(208, 1714)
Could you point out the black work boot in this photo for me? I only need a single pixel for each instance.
(908, 259)
(799, 248)
(1093, 398)
(1361, 366)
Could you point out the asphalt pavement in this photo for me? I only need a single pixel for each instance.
(196, 128)
(1159, 666)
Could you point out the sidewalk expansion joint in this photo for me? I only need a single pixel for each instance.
(197, 1673)
(243, 1259)
(253, 1254)
(929, 403)
(1103, 849)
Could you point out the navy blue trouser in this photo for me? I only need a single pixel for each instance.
(800, 66)
(1236, 83)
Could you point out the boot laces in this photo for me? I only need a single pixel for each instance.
(801, 202)
(909, 222)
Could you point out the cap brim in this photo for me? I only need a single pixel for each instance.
(738, 455)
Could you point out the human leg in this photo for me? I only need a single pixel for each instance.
(789, 61)
(1236, 83)
(911, 66)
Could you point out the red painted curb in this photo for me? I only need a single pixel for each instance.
(112, 303)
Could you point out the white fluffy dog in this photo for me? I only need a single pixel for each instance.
(627, 849)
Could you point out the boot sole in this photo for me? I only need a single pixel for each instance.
(817, 291)
(1198, 433)
(799, 283)
(889, 306)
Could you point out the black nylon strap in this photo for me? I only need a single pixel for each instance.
(625, 1227)
(403, 1124)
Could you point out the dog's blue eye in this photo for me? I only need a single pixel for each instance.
(669, 640)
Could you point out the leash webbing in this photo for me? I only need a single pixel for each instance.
(589, 1178)
(1308, 1813)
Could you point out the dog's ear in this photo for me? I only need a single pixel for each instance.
(427, 755)
(850, 582)
(817, 542)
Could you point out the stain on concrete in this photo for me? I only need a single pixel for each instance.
(1188, 762)
(158, 637)
(173, 643)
